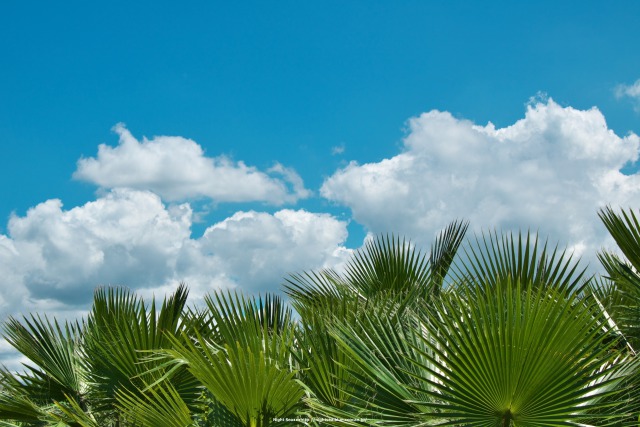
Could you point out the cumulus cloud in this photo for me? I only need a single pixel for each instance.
(53, 258)
(126, 237)
(258, 250)
(550, 171)
(629, 91)
(176, 168)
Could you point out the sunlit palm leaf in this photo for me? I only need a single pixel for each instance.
(54, 371)
(624, 273)
(387, 274)
(53, 354)
(492, 258)
(388, 264)
(530, 356)
(444, 250)
(247, 367)
(622, 298)
(625, 230)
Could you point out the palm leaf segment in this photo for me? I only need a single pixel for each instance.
(245, 363)
(492, 258)
(619, 296)
(623, 298)
(55, 371)
(121, 333)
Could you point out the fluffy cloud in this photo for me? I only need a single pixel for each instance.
(177, 169)
(258, 249)
(126, 237)
(550, 172)
(53, 258)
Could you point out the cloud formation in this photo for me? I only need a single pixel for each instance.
(550, 171)
(257, 250)
(53, 258)
(124, 238)
(177, 169)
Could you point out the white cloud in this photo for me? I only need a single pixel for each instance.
(52, 258)
(258, 250)
(550, 172)
(126, 237)
(630, 91)
(176, 168)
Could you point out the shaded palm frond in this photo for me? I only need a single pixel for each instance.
(158, 406)
(444, 250)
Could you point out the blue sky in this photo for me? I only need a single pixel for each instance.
(381, 109)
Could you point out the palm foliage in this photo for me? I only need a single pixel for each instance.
(76, 372)
(620, 297)
(504, 330)
(387, 277)
(120, 332)
(516, 354)
(55, 372)
(510, 341)
(623, 297)
(245, 362)
(491, 258)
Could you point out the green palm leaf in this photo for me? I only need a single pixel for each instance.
(624, 296)
(621, 298)
(159, 406)
(381, 347)
(53, 353)
(519, 355)
(388, 275)
(492, 258)
(246, 364)
(121, 332)
(444, 250)
(54, 372)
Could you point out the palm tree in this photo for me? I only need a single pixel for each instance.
(244, 363)
(510, 341)
(387, 279)
(504, 331)
(79, 372)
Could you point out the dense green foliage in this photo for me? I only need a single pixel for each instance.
(492, 331)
